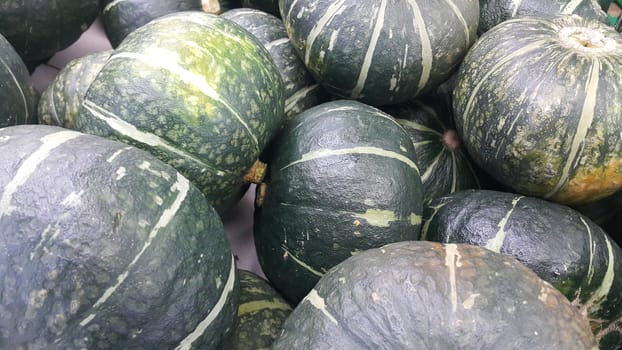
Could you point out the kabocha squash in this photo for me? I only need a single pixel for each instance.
(341, 178)
(493, 12)
(261, 314)
(439, 155)
(171, 88)
(426, 295)
(534, 106)
(18, 99)
(301, 90)
(39, 29)
(380, 52)
(61, 101)
(122, 17)
(103, 246)
(562, 246)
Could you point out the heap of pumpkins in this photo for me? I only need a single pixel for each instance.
(427, 175)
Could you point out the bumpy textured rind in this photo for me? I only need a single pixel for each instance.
(194, 89)
(261, 314)
(341, 178)
(426, 295)
(103, 246)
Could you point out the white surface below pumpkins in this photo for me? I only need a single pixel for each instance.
(238, 221)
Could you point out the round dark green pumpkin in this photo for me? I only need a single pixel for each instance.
(194, 89)
(103, 246)
(380, 52)
(261, 314)
(439, 154)
(341, 179)
(427, 295)
(18, 99)
(38, 29)
(562, 246)
(493, 12)
(534, 106)
(301, 90)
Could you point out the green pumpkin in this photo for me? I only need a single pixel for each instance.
(534, 106)
(103, 246)
(341, 179)
(18, 100)
(38, 29)
(171, 88)
(380, 52)
(427, 295)
(562, 246)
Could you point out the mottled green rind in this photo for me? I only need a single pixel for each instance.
(40, 28)
(122, 17)
(301, 90)
(261, 314)
(200, 85)
(18, 100)
(444, 169)
(61, 101)
(533, 116)
(90, 214)
(318, 212)
(426, 295)
(493, 12)
(380, 52)
(559, 244)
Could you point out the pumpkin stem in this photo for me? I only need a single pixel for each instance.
(260, 194)
(451, 140)
(211, 6)
(256, 173)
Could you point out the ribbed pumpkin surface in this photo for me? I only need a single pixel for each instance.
(535, 109)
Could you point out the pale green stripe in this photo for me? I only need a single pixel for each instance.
(186, 344)
(496, 242)
(426, 47)
(321, 23)
(516, 6)
(585, 122)
(19, 87)
(463, 21)
(30, 164)
(418, 126)
(302, 263)
(571, 6)
(500, 65)
(167, 61)
(430, 169)
(371, 48)
(323, 153)
(594, 304)
(592, 247)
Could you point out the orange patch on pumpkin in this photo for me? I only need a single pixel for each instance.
(590, 184)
